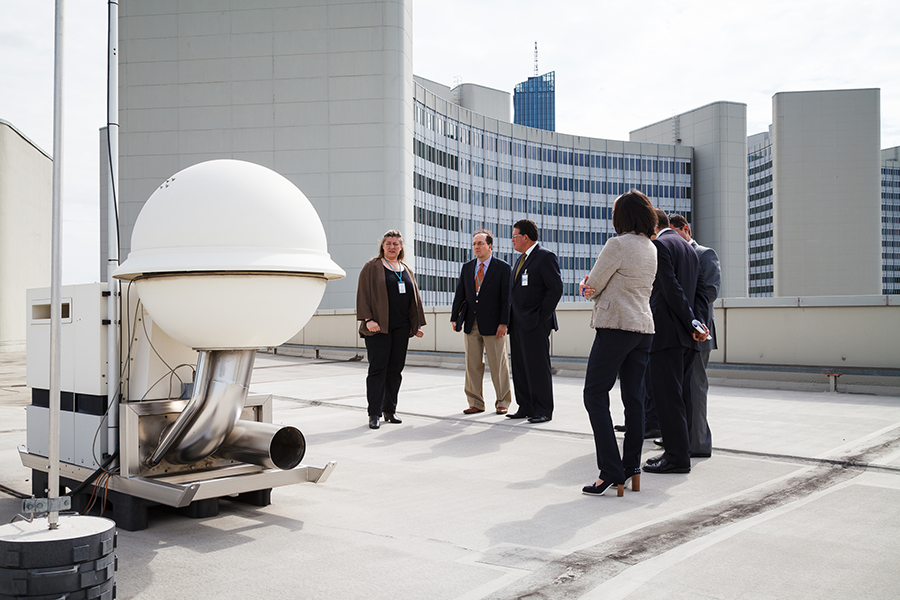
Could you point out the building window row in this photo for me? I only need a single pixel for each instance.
(762, 262)
(761, 222)
(436, 155)
(761, 195)
(436, 188)
(759, 182)
(764, 290)
(761, 208)
(760, 168)
(436, 219)
(761, 249)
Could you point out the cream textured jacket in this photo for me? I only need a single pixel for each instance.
(622, 279)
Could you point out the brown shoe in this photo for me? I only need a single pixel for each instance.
(472, 410)
(501, 410)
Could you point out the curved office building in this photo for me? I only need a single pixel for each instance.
(473, 171)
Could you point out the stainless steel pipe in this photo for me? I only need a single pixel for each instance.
(264, 444)
(220, 389)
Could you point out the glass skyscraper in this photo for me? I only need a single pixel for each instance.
(534, 102)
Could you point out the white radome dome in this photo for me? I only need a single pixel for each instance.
(229, 254)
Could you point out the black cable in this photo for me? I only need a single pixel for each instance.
(112, 175)
(13, 492)
(95, 474)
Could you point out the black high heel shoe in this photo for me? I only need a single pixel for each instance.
(598, 490)
(391, 418)
(635, 476)
(373, 423)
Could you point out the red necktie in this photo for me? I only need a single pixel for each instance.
(479, 278)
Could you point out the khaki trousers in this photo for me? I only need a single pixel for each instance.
(477, 346)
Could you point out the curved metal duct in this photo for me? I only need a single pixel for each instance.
(220, 389)
(264, 444)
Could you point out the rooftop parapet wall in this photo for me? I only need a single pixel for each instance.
(831, 333)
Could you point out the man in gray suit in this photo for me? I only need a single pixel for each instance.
(701, 437)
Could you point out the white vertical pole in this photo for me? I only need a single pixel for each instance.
(112, 235)
(56, 266)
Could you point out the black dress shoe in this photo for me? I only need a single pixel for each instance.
(654, 459)
(391, 418)
(659, 442)
(373, 423)
(652, 433)
(517, 415)
(540, 419)
(597, 490)
(619, 428)
(664, 466)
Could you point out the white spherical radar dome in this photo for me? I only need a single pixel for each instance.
(229, 254)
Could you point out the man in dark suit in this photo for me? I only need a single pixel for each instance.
(535, 292)
(677, 299)
(481, 310)
(701, 437)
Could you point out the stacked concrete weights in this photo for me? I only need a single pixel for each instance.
(76, 561)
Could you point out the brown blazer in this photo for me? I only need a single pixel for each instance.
(372, 300)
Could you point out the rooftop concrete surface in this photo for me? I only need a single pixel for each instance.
(801, 498)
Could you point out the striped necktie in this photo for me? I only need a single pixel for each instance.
(479, 278)
(519, 265)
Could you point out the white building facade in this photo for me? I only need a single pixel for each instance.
(26, 182)
(321, 92)
(816, 201)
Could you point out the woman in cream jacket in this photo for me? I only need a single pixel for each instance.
(620, 284)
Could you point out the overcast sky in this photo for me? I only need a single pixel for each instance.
(619, 66)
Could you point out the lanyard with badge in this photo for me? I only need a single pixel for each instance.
(401, 285)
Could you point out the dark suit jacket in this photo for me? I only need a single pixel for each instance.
(536, 302)
(679, 293)
(490, 307)
(712, 278)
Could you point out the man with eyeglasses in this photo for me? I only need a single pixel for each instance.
(534, 293)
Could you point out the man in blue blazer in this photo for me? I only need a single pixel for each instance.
(677, 299)
(535, 292)
(481, 310)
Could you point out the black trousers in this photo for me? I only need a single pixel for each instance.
(670, 377)
(530, 362)
(387, 356)
(622, 353)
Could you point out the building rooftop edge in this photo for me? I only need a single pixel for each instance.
(688, 111)
(540, 131)
(25, 137)
(868, 89)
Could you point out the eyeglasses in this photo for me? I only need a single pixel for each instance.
(515, 235)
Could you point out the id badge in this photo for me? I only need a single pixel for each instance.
(402, 286)
(525, 278)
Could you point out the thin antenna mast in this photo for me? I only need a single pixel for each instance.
(535, 59)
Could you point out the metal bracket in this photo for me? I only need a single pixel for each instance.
(45, 505)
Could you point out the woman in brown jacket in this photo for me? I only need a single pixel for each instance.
(389, 308)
